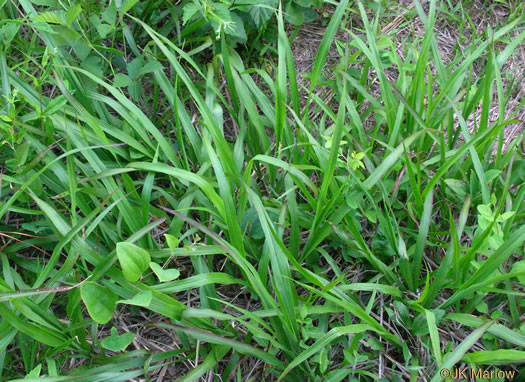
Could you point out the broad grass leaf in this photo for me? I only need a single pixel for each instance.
(496, 357)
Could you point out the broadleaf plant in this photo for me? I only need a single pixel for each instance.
(99, 300)
(133, 260)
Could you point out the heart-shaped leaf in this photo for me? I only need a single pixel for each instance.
(164, 274)
(140, 299)
(100, 301)
(172, 241)
(133, 260)
(117, 343)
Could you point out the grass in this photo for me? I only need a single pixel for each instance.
(168, 215)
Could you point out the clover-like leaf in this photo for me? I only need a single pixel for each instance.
(100, 301)
(117, 343)
(133, 260)
(164, 274)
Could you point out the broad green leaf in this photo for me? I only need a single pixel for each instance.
(73, 12)
(100, 301)
(9, 31)
(117, 343)
(104, 29)
(294, 14)
(110, 15)
(133, 260)
(164, 274)
(237, 28)
(150, 66)
(48, 17)
(122, 80)
(262, 11)
(190, 10)
(140, 299)
(172, 241)
(128, 5)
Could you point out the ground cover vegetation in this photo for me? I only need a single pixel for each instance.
(261, 190)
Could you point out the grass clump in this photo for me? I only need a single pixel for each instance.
(170, 216)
